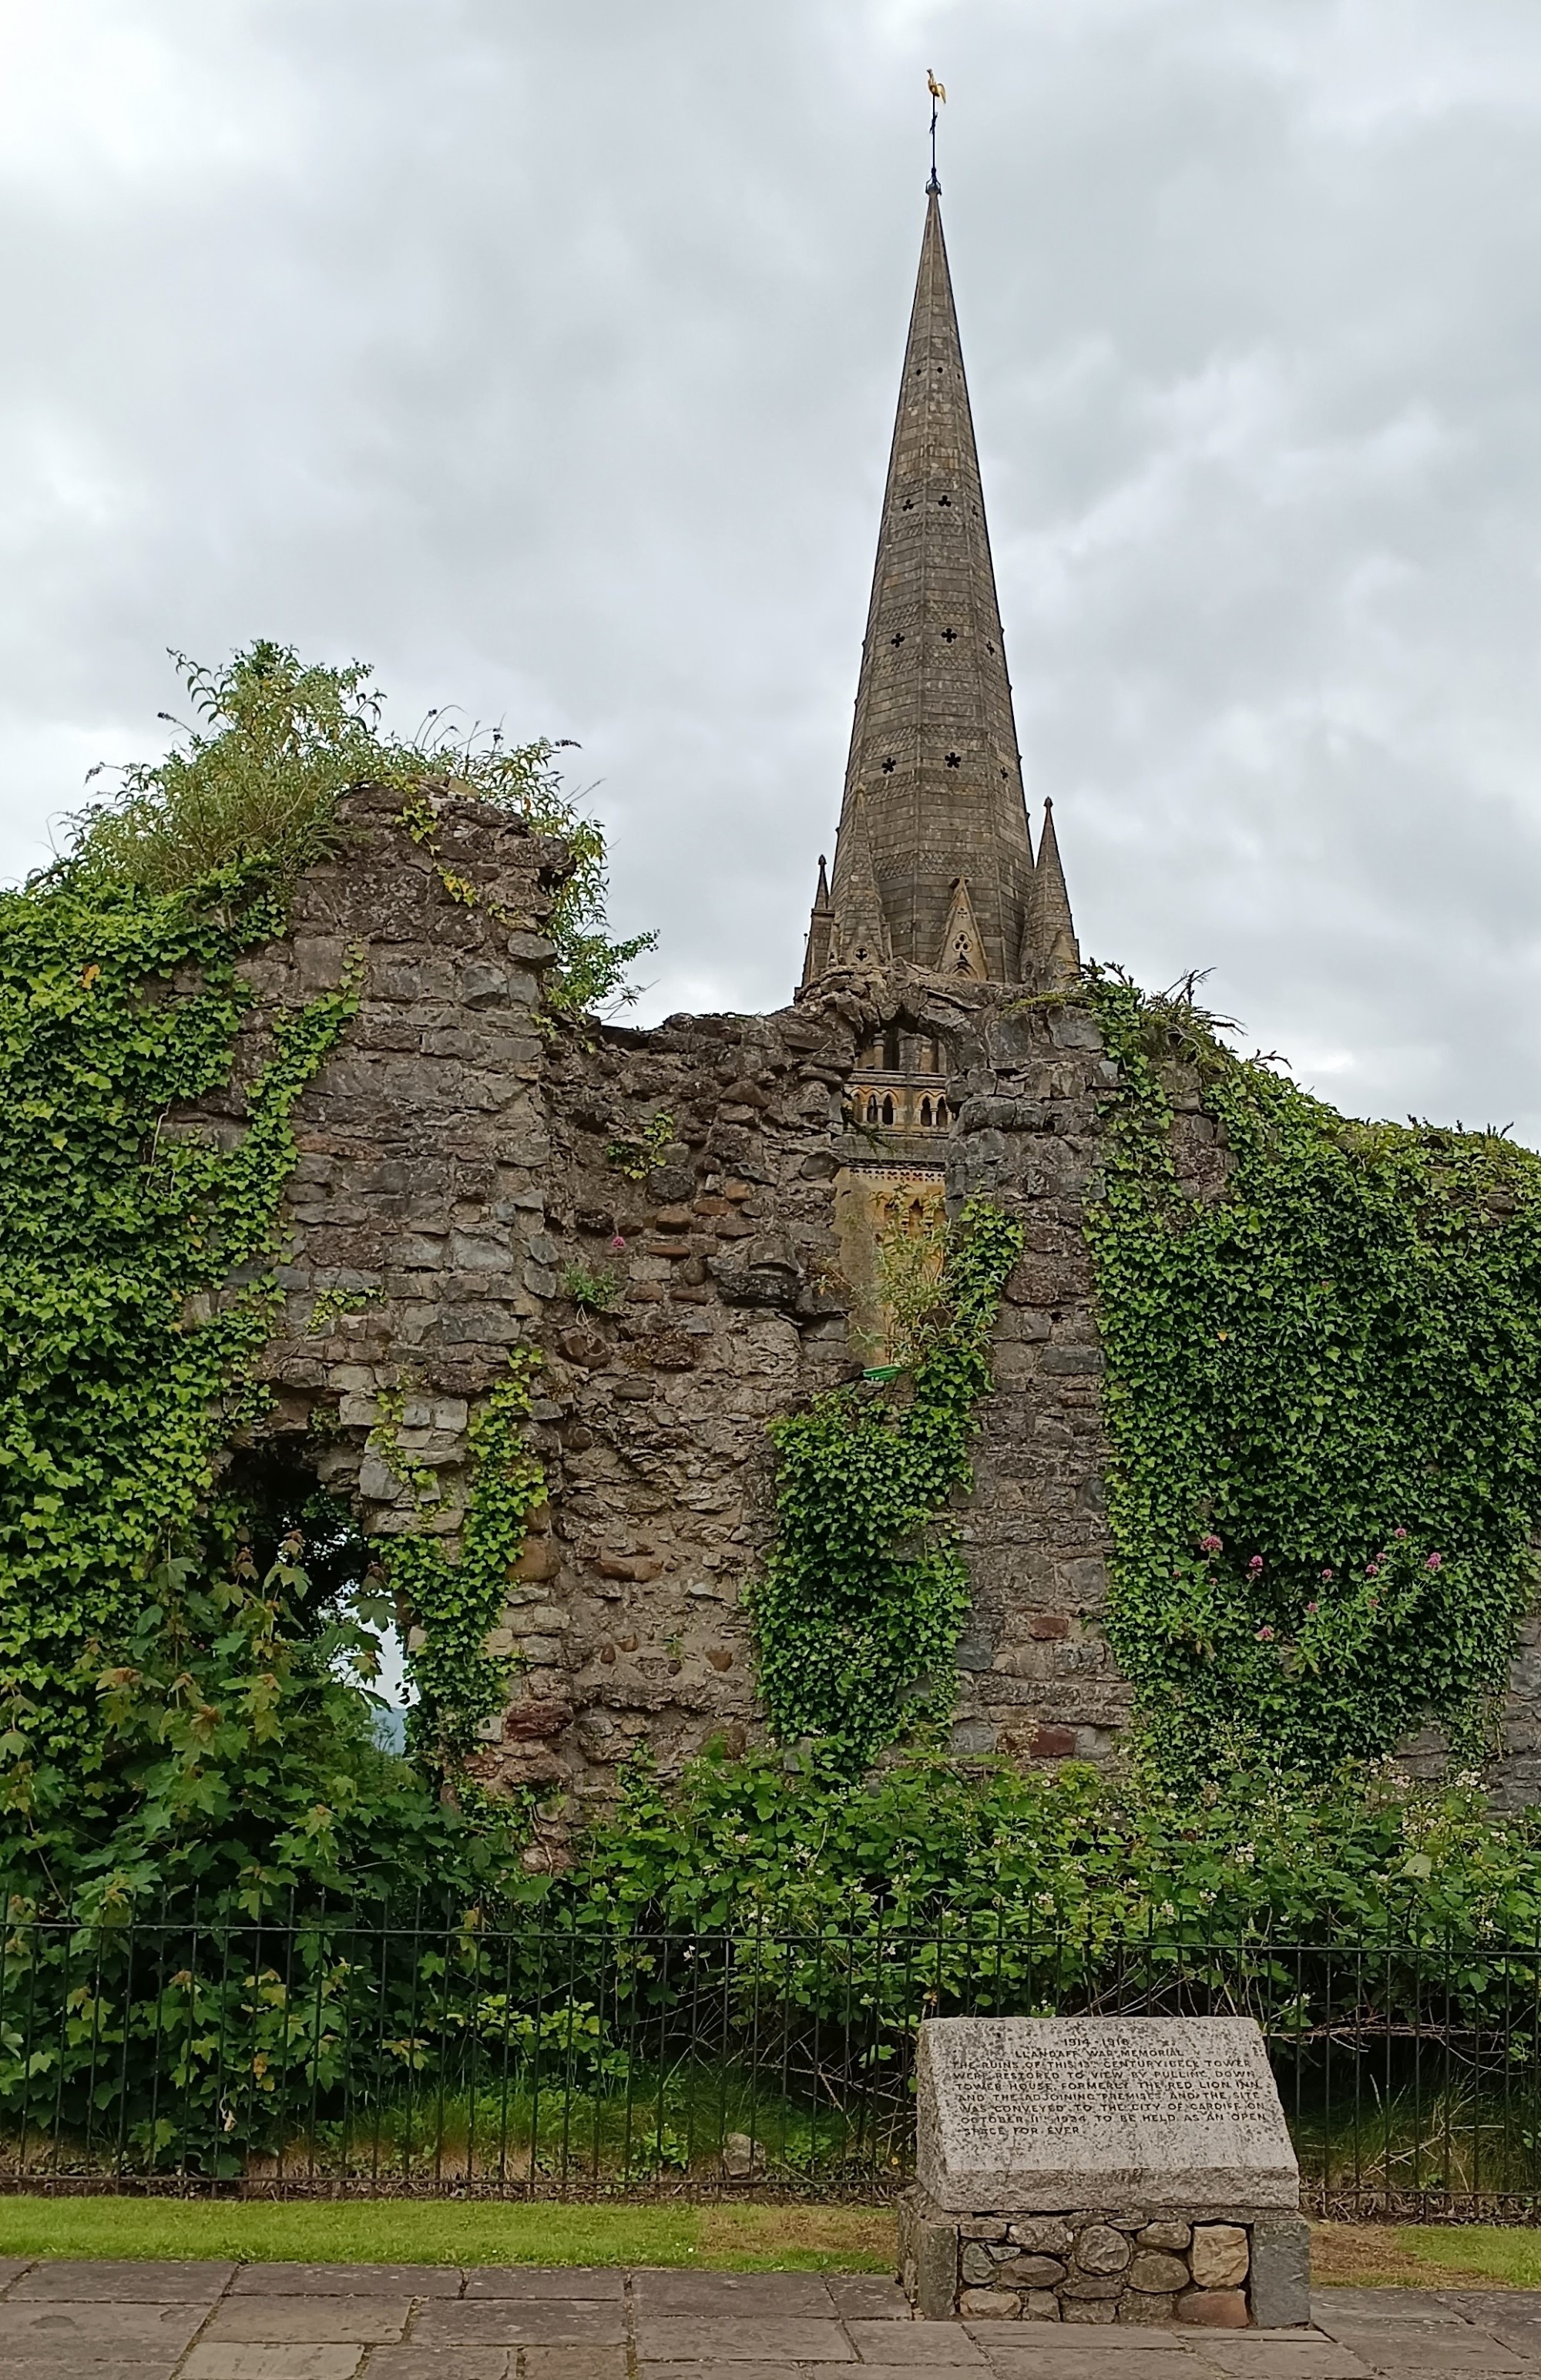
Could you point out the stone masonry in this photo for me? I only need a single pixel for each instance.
(462, 1171)
(465, 1167)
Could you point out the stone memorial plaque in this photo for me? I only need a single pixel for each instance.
(1047, 2114)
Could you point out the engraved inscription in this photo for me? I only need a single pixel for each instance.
(1036, 2090)
(1042, 2113)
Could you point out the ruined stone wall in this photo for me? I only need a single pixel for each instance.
(465, 1165)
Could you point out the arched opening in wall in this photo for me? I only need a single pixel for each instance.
(941, 1110)
(925, 1112)
(873, 1108)
(888, 1111)
(271, 1492)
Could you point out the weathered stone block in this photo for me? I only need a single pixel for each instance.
(1280, 2285)
(1213, 2309)
(1218, 2257)
(1159, 2111)
(1152, 2270)
(1100, 2248)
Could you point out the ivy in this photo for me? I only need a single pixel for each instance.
(132, 1285)
(860, 1606)
(455, 1604)
(1323, 1391)
(636, 1154)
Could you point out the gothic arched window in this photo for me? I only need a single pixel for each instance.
(872, 1111)
(888, 1111)
(925, 1112)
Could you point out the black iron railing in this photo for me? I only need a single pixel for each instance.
(374, 2051)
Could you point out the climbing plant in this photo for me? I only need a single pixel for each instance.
(455, 1603)
(857, 1609)
(133, 1288)
(1324, 1400)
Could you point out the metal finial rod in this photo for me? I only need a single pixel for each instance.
(939, 99)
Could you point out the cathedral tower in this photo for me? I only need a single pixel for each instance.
(933, 863)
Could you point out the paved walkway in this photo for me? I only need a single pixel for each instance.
(422, 2321)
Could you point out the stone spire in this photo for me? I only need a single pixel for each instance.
(1051, 953)
(934, 764)
(816, 957)
(860, 934)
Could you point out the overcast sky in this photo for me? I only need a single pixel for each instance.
(545, 355)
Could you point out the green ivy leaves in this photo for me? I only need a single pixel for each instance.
(456, 1604)
(863, 1594)
(1333, 1370)
(125, 1320)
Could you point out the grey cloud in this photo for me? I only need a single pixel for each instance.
(546, 358)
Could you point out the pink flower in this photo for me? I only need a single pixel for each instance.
(1433, 1563)
(1313, 1607)
(1265, 1636)
(1254, 1565)
(1209, 1545)
(1372, 1570)
(617, 1244)
(1399, 1535)
(1326, 1578)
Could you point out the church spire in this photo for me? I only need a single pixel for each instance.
(1051, 953)
(934, 770)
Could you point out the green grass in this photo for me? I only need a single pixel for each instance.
(1510, 2257)
(373, 2231)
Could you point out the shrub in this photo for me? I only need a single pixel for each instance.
(255, 780)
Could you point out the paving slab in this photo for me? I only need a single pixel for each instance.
(804, 2296)
(917, 2342)
(1052, 2354)
(604, 2283)
(520, 2321)
(1407, 2351)
(141, 2283)
(292, 2361)
(1330, 2307)
(1006, 2343)
(573, 2363)
(714, 2339)
(1269, 2357)
(954, 2371)
(33, 2324)
(81, 2365)
(12, 2268)
(318, 2322)
(440, 2363)
(866, 2297)
(348, 2280)
(710, 2371)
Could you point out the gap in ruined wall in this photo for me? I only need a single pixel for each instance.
(276, 1491)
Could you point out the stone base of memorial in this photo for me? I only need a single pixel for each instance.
(1103, 2170)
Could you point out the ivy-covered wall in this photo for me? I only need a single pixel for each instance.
(651, 1214)
(647, 1222)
